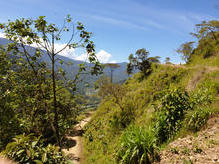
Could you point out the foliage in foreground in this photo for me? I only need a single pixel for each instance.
(31, 149)
(38, 96)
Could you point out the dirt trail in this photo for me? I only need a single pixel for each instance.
(74, 150)
(201, 71)
(198, 76)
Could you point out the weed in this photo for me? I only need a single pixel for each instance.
(197, 118)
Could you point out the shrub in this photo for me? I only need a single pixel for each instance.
(31, 149)
(137, 145)
(170, 113)
(200, 99)
(202, 96)
(196, 119)
(122, 118)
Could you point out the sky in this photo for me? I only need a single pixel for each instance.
(120, 27)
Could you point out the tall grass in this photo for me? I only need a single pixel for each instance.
(137, 146)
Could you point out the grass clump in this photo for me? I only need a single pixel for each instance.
(138, 145)
(197, 119)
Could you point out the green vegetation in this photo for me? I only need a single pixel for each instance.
(38, 104)
(35, 97)
(135, 120)
(140, 61)
(137, 146)
(159, 102)
(207, 47)
(31, 149)
(170, 113)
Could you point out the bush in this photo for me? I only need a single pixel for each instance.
(170, 113)
(137, 145)
(199, 102)
(122, 118)
(196, 119)
(31, 149)
(202, 96)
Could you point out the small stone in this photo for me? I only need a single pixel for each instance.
(215, 159)
(191, 158)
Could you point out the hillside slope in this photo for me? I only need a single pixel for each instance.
(145, 103)
(202, 148)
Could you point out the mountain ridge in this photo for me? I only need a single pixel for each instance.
(119, 74)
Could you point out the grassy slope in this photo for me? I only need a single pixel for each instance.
(104, 131)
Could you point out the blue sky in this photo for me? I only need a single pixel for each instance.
(120, 27)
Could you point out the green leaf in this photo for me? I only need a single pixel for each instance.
(44, 157)
(38, 162)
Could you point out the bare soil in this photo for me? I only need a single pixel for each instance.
(74, 146)
(202, 149)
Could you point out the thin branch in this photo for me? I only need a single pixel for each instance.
(71, 38)
(60, 31)
(27, 55)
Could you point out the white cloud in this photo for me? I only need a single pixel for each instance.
(82, 57)
(2, 35)
(113, 61)
(70, 53)
(102, 55)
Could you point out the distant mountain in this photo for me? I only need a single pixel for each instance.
(119, 74)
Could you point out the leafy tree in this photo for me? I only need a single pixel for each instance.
(154, 59)
(139, 61)
(186, 50)
(45, 77)
(167, 60)
(31, 149)
(112, 67)
(207, 30)
(208, 38)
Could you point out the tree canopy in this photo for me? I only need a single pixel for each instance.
(186, 50)
(139, 61)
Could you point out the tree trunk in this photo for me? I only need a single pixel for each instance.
(54, 95)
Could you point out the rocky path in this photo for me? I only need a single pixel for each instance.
(74, 148)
